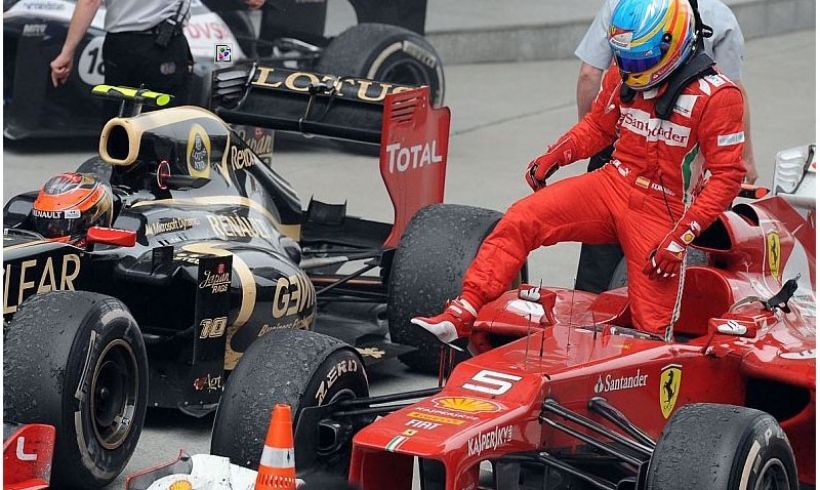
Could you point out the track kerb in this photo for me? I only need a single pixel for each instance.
(276, 466)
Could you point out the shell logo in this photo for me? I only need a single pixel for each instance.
(466, 404)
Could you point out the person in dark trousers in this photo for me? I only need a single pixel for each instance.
(144, 44)
(597, 263)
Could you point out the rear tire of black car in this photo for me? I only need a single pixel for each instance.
(296, 367)
(77, 361)
(715, 447)
(438, 245)
(386, 53)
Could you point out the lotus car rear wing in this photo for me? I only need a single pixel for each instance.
(413, 136)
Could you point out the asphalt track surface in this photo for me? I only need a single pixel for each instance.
(503, 115)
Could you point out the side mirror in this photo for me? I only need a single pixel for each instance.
(111, 236)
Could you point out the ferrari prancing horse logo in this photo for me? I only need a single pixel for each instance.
(670, 387)
(773, 253)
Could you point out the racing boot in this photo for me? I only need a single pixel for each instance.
(453, 323)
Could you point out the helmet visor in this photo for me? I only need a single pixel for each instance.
(55, 224)
(637, 65)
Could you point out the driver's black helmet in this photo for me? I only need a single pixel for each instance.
(71, 203)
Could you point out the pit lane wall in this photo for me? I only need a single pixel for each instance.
(557, 36)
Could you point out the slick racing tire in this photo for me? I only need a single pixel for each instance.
(386, 53)
(77, 361)
(619, 280)
(438, 245)
(719, 447)
(297, 367)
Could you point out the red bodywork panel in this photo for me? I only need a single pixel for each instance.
(27, 457)
(491, 403)
(413, 155)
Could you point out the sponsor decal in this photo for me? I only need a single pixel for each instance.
(704, 87)
(401, 158)
(223, 53)
(419, 53)
(731, 139)
(715, 80)
(187, 257)
(439, 419)
(731, 327)
(34, 30)
(208, 382)
(342, 367)
(670, 388)
(167, 225)
(218, 280)
(654, 129)
(620, 38)
(39, 276)
(373, 352)
(490, 440)
(235, 226)
(211, 328)
(72, 213)
(37, 213)
(301, 81)
(292, 295)
(199, 152)
(467, 404)
(211, 30)
(609, 383)
(424, 424)
(799, 356)
(409, 432)
(688, 237)
(773, 253)
(242, 158)
(685, 104)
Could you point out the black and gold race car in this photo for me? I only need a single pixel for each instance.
(209, 249)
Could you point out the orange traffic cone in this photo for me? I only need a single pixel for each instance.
(276, 466)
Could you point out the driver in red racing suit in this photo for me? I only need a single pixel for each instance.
(650, 197)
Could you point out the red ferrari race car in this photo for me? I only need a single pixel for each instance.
(562, 393)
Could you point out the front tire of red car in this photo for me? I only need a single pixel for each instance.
(719, 447)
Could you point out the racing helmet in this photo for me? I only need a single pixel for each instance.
(71, 203)
(650, 39)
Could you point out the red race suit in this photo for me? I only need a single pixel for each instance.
(654, 183)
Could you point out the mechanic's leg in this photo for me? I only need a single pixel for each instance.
(597, 263)
(574, 209)
(167, 69)
(118, 64)
(653, 303)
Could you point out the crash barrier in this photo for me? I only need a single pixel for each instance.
(276, 466)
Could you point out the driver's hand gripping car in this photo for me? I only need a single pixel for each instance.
(672, 117)
(71, 203)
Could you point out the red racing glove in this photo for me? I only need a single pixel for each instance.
(540, 169)
(665, 260)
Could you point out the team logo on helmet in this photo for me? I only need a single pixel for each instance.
(620, 38)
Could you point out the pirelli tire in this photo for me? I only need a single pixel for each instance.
(438, 245)
(718, 447)
(297, 367)
(387, 53)
(76, 360)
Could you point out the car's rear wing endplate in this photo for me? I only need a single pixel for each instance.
(413, 136)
